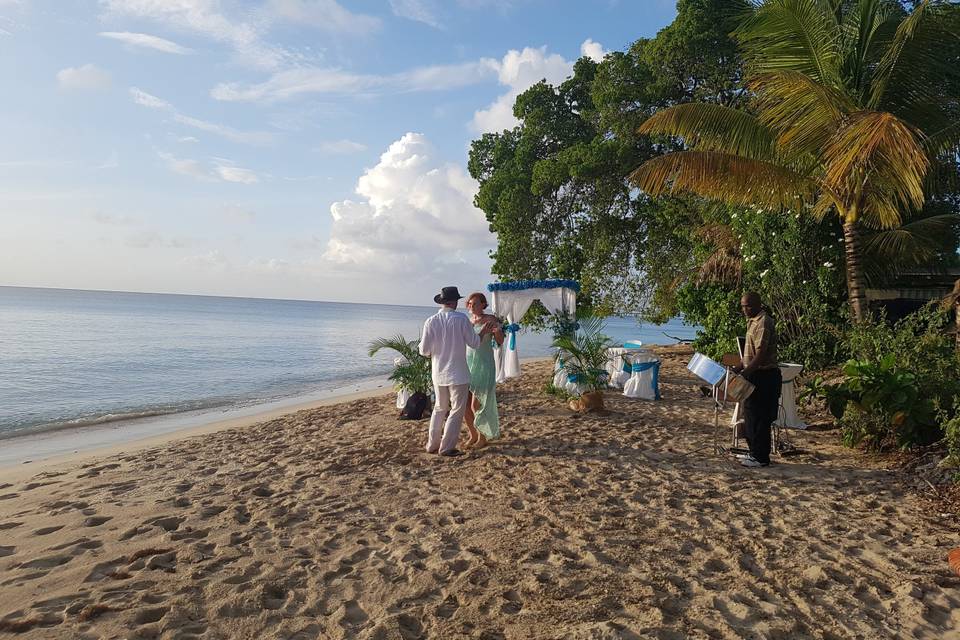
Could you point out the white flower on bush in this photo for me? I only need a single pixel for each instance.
(828, 265)
(764, 273)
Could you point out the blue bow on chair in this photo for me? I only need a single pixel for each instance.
(512, 330)
(573, 378)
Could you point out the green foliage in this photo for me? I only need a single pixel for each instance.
(585, 353)
(554, 189)
(556, 392)
(885, 406)
(411, 370)
(951, 429)
(791, 261)
(901, 387)
(717, 310)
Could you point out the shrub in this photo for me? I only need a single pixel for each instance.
(411, 370)
(901, 387)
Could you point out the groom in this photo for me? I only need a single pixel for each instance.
(444, 340)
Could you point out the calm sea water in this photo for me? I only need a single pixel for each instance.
(74, 358)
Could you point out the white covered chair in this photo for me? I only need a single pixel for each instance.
(644, 379)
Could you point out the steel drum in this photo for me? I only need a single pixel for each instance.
(738, 388)
(706, 369)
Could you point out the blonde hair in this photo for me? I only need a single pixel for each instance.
(477, 294)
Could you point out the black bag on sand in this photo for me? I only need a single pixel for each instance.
(416, 405)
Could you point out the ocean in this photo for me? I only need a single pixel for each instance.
(72, 358)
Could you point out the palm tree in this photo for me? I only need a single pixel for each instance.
(411, 370)
(851, 104)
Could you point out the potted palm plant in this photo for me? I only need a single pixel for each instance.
(411, 371)
(585, 359)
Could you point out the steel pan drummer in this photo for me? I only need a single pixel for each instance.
(760, 369)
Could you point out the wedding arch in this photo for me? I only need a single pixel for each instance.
(511, 300)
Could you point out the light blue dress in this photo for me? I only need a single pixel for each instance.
(483, 385)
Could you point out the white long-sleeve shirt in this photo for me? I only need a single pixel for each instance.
(445, 338)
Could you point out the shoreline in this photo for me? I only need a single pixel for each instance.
(30, 453)
(66, 446)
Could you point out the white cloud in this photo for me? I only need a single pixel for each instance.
(592, 50)
(154, 239)
(148, 100)
(519, 70)
(186, 167)
(146, 41)
(221, 170)
(203, 17)
(85, 78)
(187, 139)
(236, 174)
(153, 102)
(213, 259)
(341, 146)
(244, 28)
(312, 80)
(326, 15)
(424, 11)
(414, 215)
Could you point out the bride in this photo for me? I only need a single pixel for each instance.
(481, 418)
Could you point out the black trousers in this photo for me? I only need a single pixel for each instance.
(760, 411)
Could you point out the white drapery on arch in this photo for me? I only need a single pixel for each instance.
(513, 299)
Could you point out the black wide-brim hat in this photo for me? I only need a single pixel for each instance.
(447, 294)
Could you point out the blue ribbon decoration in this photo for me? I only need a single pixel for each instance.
(512, 330)
(645, 366)
(573, 378)
(626, 367)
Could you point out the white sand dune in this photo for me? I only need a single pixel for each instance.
(331, 523)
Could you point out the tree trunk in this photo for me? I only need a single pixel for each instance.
(856, 292)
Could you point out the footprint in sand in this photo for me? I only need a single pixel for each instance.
(448, 607)
(149, 616)
(353, 615)
(7, 551)
(47, 530)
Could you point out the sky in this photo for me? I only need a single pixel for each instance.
(307, 149)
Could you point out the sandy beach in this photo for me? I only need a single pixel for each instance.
(332, 523)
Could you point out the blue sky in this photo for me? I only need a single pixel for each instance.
(273, 148)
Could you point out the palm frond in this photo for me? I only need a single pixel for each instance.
(726, 177)
(406, 348)
(712, 127)
(866, 28)
(914, 67)
(878, 147)
(887, 251)
(801, 112)
(797, 35)
(944, 140)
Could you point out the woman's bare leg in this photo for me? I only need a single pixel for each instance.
(479, 441)
(469, 420)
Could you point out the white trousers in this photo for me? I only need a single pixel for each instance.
(447, 416)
